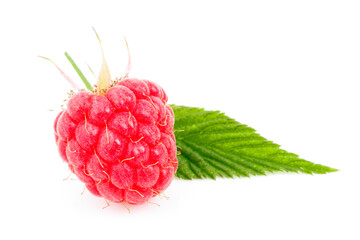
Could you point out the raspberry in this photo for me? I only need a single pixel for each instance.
(121, 144)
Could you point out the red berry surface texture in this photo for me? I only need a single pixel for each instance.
(121, 143)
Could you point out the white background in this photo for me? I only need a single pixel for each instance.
(290, 69)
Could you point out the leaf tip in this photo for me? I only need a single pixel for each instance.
(330, 170)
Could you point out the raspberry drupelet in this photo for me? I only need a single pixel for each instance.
(120, 143)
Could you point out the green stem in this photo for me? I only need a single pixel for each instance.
(81, 75)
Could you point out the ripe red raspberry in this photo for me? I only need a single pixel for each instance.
(120, 144)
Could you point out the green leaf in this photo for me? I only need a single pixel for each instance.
(81, 75)
(213, 145)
